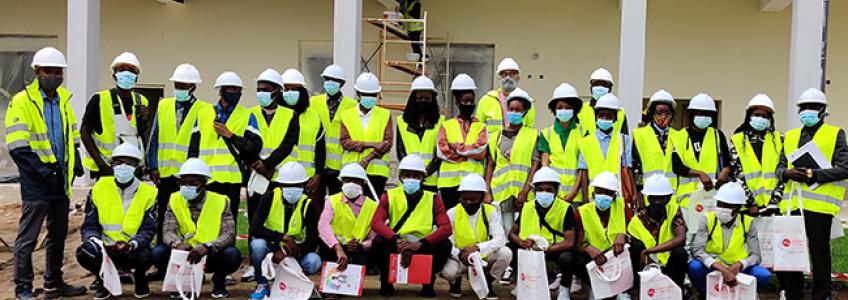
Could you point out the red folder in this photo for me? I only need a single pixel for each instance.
(420, 270)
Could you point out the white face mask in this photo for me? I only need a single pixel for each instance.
(724, 215)
(351, 190)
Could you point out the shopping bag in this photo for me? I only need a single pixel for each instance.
(790, 241)
(653, 284)
(836, 228)
(717, 290)
(613, 277)
(765, 234)
(289, 280)
(477, 276)
(348, 282)
(700, 203)
(420, 270)
(183, 277)
(532, 276)
(108, 272)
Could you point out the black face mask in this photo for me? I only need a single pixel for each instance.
(50, 83)
(656, 211)
(466, 110)
(232, 97)
(471, 208)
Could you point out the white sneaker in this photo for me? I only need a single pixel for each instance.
(576, 285)
(247, 275)
(564, 293)
(506, 279)
(554, 285)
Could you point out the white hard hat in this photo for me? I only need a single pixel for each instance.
(731, 193)
(228, 78)
(565, 90)
(367, 83)
(412, 162)
(657, 185)
(353, 171)
(195, 166)
(601, 74)
(49, 57)
(186, 73)
(293, 76)
(423, 83)
(270, 75)
(472, 183)
(702, 101)
(126, 58)
(662, 96)
(608, 101)
(463, 82)
(606, 180)
(761, 100)
(127, 150)
(518, 93)
(546, 174)
(507, 64)
(292, 173)
(812, 95)
(334, 71)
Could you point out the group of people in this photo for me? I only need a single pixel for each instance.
(486, 181)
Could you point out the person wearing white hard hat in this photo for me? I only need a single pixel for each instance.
(285, 223)
(418, 129)
(493, 107)
(42, 139)
(558, 143)
(367, 133)
(606, 150)
(601, 83)
(311, 147)
(821, 205)
(727, 241)
(653, 144)
(658, 233)
(476, 229)
(115, 116)
(119, 215)
(408, 221)
(199, 221)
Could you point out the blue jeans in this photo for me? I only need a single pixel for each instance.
(259, 248)
(698, 274)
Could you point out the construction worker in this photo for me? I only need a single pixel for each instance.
(119, 214)
(42, 138)
(345, 222)
(462, 143)
(285, 224)
(311, 151)
(200, 221)
(600, 84)
(327, 106)
(514, 159)
(418, 130)
(658, 233)
(558, 144)
(492, 108)
(122, 117)
(820, 205)
(757, 148)
(653, 144)
(552, 220)
(606, 150)
(366, 133)
(411, 9)
(476, 229)
(601, 226)
(727, 242)
(410, 220)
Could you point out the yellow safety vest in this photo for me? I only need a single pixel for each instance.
(511, 173)
(587, 119)
(376, 127)
(707, 162)
(563, 159)
(656, 160)
(119, 225)
(174, 142)
(736, 250)
(106, 140)
(597, 161)
(223, 164)
(420, 220)
(827, 198)
(424, 147)
(26, 127)
(347, 226)
(271, 139)
(277, 215)
(463, 234)
(489, 111)
(759, 175)
(208, 226)
(593, 230)
(638, 231)
(407, 14)
(532, 225)
(310, 124)
(332, 128)
(451, 173)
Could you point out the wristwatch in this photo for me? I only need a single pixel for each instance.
(809, 173)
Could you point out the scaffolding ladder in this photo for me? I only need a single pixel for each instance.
(392, 32)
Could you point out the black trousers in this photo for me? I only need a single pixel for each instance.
(450, 196)
(330, 183)
(252, 204)
(381, 249)
(675, 268)
(379, 184)
(138, 260)
(818, 238)
(232, 191)
(356, 258)
(167, 186)
(33, 214)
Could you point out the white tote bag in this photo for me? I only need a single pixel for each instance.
(289, 280)
(653, 284)
(476, 275)
(183, 277)
(717, 290)
(700, 203)
(765, 234)
(613, 277)
(790, 240)
(108, 272)
(532, 276)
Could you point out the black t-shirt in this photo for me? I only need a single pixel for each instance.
(91, 118)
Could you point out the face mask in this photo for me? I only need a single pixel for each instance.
(604, 124)
(411, 186)
(809, 117)
(515, 118)
(332, 87)
(264, 98)
(50, 83)
(759, 123)
(599, 91)
(351, 190)
(545, 199)
(564, 115)
(189, 192)
(125, 80)
(724, 215)
(181, 95)
(603, 202)
(368, 102)
(232, 97)
(291, 97)
(508, 84)
(656, 211)
(471, 209)
(123, 173)
(292, 194)
(466, 110)
(703, 122)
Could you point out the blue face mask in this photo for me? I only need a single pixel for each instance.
(759, 123)
(809, 117)
(291, 97)
(564, 115)
(189, 192)
(264, 98)
(514, 118)
(599, 91)
(411, 186)
(603, 202)
(703, 122)
(332, 87)
(125, 80)
(604, 124)
(123, 173)
(292, 194)
(182, 95)
(545, 199)
(368, 102)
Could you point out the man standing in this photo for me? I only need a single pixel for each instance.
(492, 108)
(328, 106)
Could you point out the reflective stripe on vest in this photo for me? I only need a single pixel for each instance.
(511, 173)
(531, 224)
(277, 216)
(564, 159)
(759, 177)
(828, 197)
(208, 226)
(105, 141)
(420, 221)
(222, 162)
(118, 225)
(736, 250)
(593, 230)
(346, 225)
(587, 119)
(332, 128)
(451, 173)
(654, 159)
(424, 147)
(463, 234)
(174, 142)
(706, 162)
(489, 111)
(310, 125)
(376, 128)
(638, 231)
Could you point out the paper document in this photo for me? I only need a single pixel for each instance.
(809, 156)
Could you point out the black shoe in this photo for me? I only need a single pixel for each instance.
(101, 293)
(156, 276)
(387, 289)
(95, 284)
(53, 291)
(492, 295)
(455, 289)
(427, 291)
(218, 293)
(174, 295)
(24, 295)
(142, 289)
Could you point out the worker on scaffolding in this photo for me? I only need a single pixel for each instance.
(411, 9)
